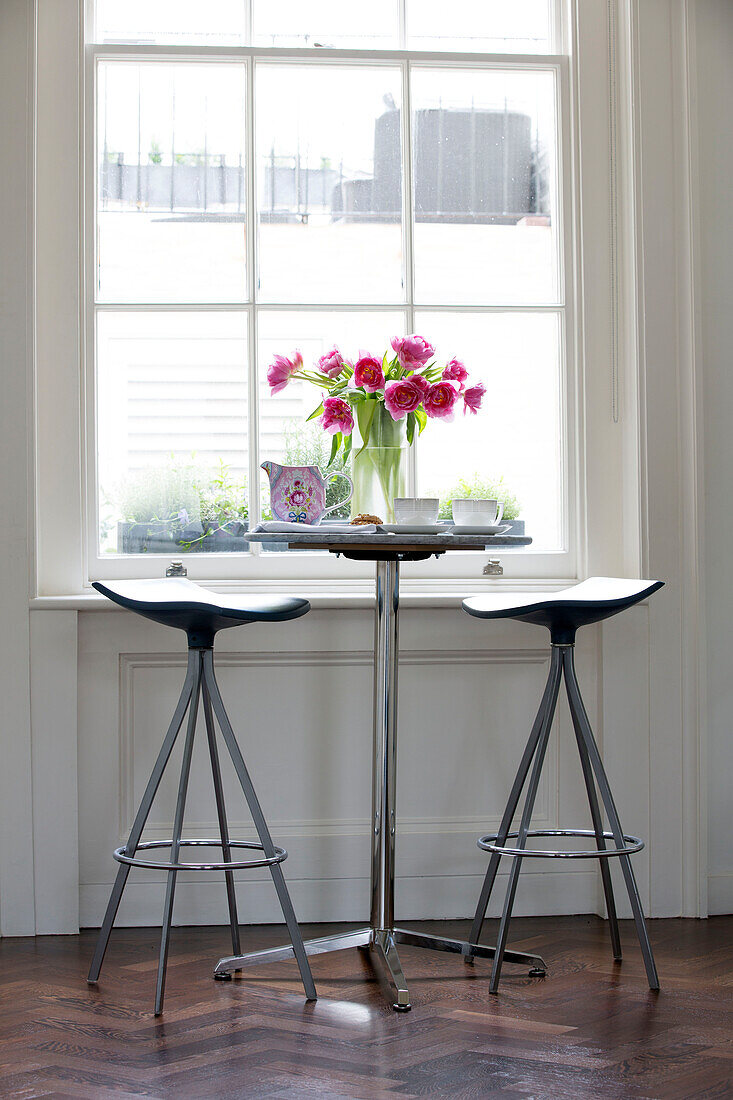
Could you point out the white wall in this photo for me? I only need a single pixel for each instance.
(712, 27)
(16, 345)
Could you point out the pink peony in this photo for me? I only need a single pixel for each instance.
(281, 371)
(337, 416)
(368, 373)
(332, 363)
(412, 351)
(473, 397)
(455, 372)
(403, 397)
(440, 400)
(421, 381)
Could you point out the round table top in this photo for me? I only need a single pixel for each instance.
(383, 543)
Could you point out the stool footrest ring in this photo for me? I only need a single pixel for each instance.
(227, 865)
(631, 844)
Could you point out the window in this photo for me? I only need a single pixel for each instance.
(283, 175)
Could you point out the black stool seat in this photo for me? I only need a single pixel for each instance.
(175, 601)
(564, 612)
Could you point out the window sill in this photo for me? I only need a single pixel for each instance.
(332, 594)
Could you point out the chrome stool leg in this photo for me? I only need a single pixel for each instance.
(522, 838)
(258, 817)
(222, 816)
(597, 819)
(545, 713)
(142, 814)
(580, 716)
(170, 889)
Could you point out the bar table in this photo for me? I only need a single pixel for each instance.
(381, 936)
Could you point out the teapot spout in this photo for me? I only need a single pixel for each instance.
(272, 469)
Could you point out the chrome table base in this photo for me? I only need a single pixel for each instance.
(383, 953)
(381, 937)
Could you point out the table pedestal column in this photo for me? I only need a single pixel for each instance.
(384, 759)
(384, 775)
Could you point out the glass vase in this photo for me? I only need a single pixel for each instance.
(379, 471)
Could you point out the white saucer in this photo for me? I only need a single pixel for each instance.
(465, 529)
(414, 528)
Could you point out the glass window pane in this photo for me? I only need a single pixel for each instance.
(486, 225)
(171, 186)
(486, 26)
(326, 23)
(329, 183)
(285, 437)
(513, 444)
(172, 431)
(182, 22)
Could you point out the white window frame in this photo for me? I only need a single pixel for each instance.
(67, 561)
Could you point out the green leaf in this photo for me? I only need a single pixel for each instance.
(355, 397)
(365, 415)
(422, 418)
(315, 413)
(391, 367)
(335, 444)
(348, 444)
(410, 427)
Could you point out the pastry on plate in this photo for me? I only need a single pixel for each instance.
(364, 519)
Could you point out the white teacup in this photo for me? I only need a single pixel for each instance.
(477, 513)
(416, 510)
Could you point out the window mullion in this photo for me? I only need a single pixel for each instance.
(402, 19)
(249, 22)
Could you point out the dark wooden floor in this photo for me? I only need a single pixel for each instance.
(590, 1029)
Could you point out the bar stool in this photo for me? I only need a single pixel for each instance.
(177, 602)
(563, 613)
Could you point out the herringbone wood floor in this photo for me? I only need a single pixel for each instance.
(590, 1029)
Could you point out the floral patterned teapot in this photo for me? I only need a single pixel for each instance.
(298, 493)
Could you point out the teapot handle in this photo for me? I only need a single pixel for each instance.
(346, 499)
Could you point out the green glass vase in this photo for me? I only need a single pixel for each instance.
(379, 470)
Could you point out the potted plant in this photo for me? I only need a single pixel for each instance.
(479, 487)
(223, 512)
(180, 508)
